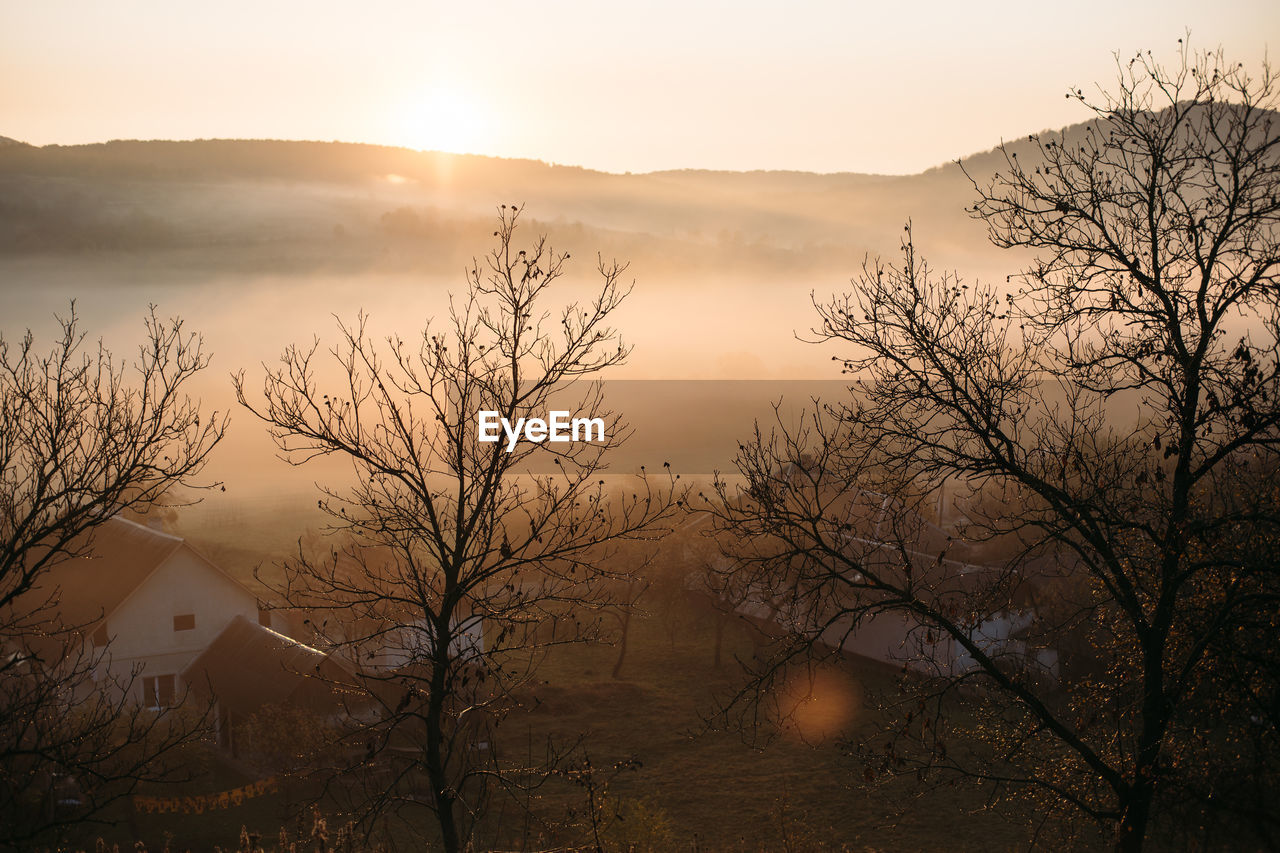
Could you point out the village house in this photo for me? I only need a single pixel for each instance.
(876, 532)
(163, 621)
(249, 667)
(149, 603)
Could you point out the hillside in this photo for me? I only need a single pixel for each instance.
(356, 207)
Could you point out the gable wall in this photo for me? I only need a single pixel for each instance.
(141, 629)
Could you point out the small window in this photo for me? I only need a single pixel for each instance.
(100, 637)
(264, 618)
(184, 622)
(159, 691)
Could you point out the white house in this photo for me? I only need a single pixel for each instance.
(153, 601)
(414, 642)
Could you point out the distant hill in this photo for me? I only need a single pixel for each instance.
(299, 206)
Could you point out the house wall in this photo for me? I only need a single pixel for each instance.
(412, 643)
(884, 637)
(142, 627)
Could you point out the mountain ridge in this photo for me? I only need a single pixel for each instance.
(294, 205)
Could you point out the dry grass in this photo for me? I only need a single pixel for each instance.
(717, 792)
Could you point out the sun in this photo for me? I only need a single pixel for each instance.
(445, 119)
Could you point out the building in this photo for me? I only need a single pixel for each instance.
(249, 667)
(148, 602)
(878, 535)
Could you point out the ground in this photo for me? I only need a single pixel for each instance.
(690, 788)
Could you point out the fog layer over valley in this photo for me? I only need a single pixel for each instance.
(258, 244)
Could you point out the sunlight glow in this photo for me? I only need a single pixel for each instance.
(445, 119)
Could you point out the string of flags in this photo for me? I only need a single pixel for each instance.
(200, 803)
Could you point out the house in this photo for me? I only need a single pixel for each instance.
(145, 612)
(249, 666)
(149, 602)
(884, 538)
(414, 641)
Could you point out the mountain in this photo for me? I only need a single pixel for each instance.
(299, 206)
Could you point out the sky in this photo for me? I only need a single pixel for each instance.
(814, 85)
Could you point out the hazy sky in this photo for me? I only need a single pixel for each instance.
(825, 86)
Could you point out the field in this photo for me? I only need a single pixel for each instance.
(711, 790)
(683, 786)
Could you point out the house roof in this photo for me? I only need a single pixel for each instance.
(249, 665)
(122, 554)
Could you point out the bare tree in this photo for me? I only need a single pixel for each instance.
(1106, 430)
(83, 436)
(459, 563)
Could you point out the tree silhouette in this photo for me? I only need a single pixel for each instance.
(442, 532)
(83, 436)
(1084, 627)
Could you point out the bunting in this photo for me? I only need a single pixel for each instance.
(201, 803)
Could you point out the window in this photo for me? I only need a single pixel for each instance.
(184, 622)
(100, 637)
(264, 618)
(159, 691)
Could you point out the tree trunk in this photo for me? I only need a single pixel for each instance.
(719, 638)
(437, 773)
(622, 643)
(1132, 831)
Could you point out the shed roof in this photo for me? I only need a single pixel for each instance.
(249, 665)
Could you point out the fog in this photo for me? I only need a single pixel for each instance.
(258, 245)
